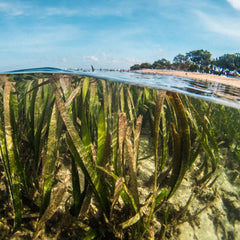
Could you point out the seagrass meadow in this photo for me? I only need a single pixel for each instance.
(84, 158)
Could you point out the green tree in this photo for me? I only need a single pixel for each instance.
(145, 65)
(181, 62)
(162, 64)
(202, 58)
(229, 62)
(135, 67)
(237, 62)
(180, 58)
(193, 68)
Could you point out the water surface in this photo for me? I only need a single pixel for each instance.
(210, 91)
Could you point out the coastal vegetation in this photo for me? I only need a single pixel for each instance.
(197, 60)
(103, 160)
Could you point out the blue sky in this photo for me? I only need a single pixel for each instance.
(113, 33)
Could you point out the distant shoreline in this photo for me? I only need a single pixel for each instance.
(194, 75)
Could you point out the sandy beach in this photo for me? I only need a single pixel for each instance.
(194, 75)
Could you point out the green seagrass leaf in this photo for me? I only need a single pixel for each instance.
(85, 88)
(163, 194)
(181, 141)
(11, 156)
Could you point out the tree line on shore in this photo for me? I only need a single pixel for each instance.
(197, 61)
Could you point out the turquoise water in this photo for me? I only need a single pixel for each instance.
(210, 91)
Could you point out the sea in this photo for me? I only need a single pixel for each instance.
(173, 141)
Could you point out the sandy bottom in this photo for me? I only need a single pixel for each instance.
(194, 75)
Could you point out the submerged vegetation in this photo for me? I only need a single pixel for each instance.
(75, 150)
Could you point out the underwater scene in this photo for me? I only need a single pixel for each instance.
(95, 156)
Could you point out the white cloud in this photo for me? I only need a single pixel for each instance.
(235, 4)
(131, 61)
(17, 8)
(62, 60)
(13, 9)
(90, 59)
(53, 11)
(38, 39)
(225, 26)
(106, 60)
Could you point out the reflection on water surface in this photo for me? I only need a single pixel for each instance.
(211, 91)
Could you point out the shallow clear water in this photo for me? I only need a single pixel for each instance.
(210, 91)
(134, 126)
